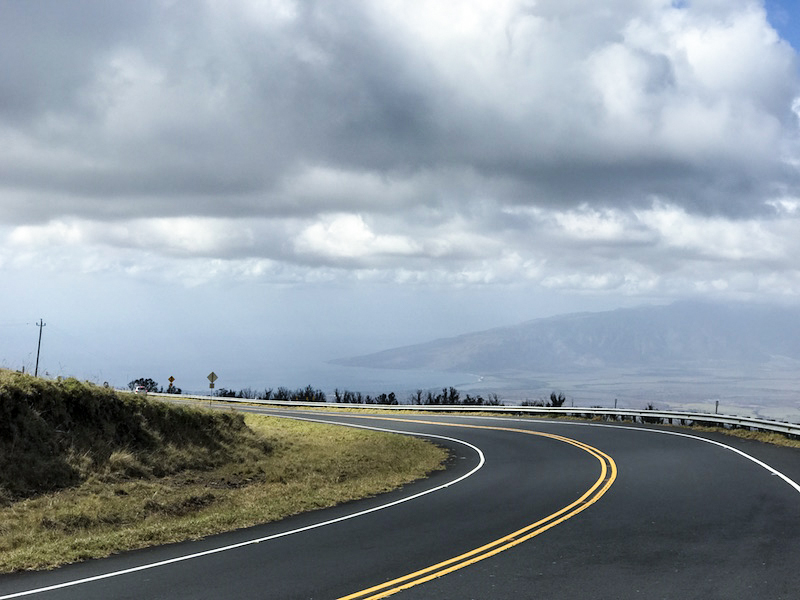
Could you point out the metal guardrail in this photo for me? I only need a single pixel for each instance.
(643, 416)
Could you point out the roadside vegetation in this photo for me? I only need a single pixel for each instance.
(453, 397)
(151, 386)
(556, 401)
(86, 472)
(765, 437)
(447, 397)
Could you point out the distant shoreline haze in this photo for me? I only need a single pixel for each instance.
(680, 355)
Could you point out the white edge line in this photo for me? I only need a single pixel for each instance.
(277, 535)
(741, 453)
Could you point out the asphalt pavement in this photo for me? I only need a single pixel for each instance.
(527, 509)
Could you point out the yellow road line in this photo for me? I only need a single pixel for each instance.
(608, 473)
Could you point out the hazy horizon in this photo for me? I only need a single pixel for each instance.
(256, 188)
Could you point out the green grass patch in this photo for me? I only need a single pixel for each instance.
(153, 473)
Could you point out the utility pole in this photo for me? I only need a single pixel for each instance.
(40, 325)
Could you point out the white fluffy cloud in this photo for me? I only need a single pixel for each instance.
(642, 147)
(348, 236)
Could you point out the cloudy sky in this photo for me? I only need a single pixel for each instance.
(250, 186)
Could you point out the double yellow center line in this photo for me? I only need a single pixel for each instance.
(608, 473)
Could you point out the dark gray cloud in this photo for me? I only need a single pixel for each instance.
(49, 50)
(154, 100)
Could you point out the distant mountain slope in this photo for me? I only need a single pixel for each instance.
(658, 336)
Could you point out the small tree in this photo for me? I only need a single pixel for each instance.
(453, 396)
(532, 403)
(494, 400)
(148, 384)
(385, 398)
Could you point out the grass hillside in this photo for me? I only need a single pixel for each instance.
(86, 472)
(58, 434)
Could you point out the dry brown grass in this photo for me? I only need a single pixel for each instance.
(765, 437)
(309, 466)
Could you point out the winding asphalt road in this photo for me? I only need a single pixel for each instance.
(528, 509)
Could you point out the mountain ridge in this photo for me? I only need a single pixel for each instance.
(664, 336)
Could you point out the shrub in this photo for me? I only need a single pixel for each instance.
(55, 434)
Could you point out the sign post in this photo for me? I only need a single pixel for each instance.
(212, 377)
